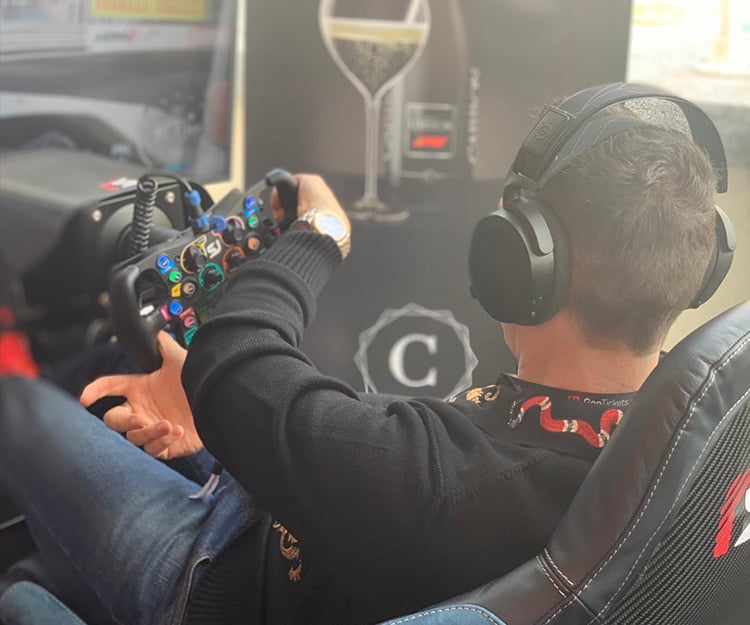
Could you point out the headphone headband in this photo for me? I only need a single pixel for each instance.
(559, 123)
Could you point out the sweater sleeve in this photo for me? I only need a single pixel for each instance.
(353, 478)
(381, 491)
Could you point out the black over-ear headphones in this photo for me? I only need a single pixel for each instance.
(519, 261)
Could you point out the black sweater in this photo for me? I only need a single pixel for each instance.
(395, 503)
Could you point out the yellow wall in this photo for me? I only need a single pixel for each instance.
(237, 170)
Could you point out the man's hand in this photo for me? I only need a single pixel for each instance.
(313, 192)
(156, 414)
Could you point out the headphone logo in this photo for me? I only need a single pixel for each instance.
(541, 132)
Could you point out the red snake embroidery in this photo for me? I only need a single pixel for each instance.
(609, 419)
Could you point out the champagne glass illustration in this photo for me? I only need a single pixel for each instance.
(374, 43)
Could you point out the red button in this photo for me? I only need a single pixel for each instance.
(190, 321)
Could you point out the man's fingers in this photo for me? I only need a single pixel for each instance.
(159, 448)
(108, 386)
(146, 435)
(278, 211)
(122, 419)
(169, 348)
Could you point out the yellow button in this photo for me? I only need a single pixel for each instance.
(176, 290)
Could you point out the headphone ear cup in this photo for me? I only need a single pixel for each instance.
(500, 267)
(513, 263)
(721, 259)
(558, 292)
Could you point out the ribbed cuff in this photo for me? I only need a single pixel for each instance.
(313, 257)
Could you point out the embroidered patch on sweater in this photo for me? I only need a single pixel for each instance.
(608, 420)
(289, 548)
(479, 395)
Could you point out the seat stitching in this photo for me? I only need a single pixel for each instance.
(554, 566)
(549, 577)
(711, 379)
(664, 520)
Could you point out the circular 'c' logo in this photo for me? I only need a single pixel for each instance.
(416, 350)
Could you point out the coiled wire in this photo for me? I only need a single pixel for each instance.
(143, 211)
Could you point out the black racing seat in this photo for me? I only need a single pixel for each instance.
(659, 533)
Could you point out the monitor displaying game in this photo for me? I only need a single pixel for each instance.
(147, 82)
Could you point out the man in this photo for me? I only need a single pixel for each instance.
(347, 508)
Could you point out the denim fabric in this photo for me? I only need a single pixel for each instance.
(25, 603)
(449, 615)
(115, 527)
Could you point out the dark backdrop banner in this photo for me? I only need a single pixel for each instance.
(398, 316)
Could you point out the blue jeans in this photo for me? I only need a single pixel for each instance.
(115, 527)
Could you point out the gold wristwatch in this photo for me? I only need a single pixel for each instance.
(326, 223)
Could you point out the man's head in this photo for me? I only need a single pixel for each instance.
(638, 209)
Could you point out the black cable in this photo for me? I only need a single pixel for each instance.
(162, 174)
(143, 211)
(191, 209)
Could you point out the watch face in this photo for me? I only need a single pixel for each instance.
(330, 225)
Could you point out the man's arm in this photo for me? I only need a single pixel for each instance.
(378, 490)
(347, 477)
(370, 486)
(354, 481)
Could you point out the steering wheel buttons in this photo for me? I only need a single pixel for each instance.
(234, 231)
(233, 259)
(190, 321)
(189, 287)
(253, 244)
(193, 258)
(218, 223)
(211, 276)
(179, 280)
(251, 206)
(188, 335)
(164, 263)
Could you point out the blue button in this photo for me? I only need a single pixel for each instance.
(164, 263)
(218, 223)
(175, 307)
(251, 206)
